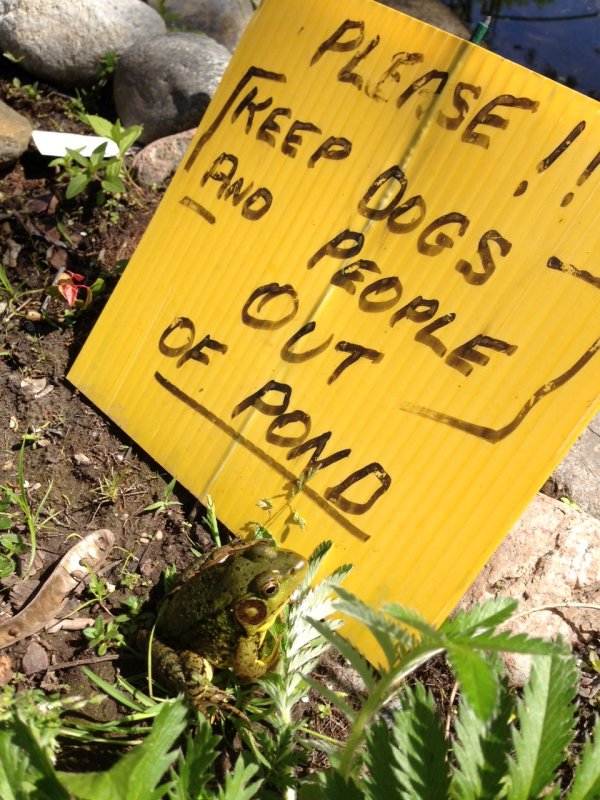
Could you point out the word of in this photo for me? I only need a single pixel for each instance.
(289, 429)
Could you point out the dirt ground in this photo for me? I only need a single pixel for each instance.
(80, 472)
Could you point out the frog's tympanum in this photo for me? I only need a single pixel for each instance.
(219, 615)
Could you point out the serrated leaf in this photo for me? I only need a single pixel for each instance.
(478, 680)
(420, 747)
(195, 765)
(586, 784)
(239, 784)
(488, 615)
(357, 661)
(481, 751)
(330, 785)
(136, 775)
(545, 715)
(387, 634)
(384, 775)
(515, 643)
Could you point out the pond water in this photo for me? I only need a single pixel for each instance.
(558, 38)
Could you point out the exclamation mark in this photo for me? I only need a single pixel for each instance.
(582, 178)
(550, 159)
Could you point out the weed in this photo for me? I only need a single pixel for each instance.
(108, 175)
(15, 298)
(110, 486)
(18, 89)
(161, 506)
(211, 522)
(103, 635)
(12, 545)
(34, 518)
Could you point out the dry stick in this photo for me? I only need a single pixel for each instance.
(554, 606)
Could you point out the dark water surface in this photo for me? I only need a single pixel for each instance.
(558, 38)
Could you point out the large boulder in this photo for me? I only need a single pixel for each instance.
(65, 42)
(222, 20)
(15, 133)
(166, 82)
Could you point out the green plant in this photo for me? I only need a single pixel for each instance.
(498, 747)
(103, 635)
(502, 748)
(166, 502)
(16, 299)
(211, 522)
(110, 173)
(29, 90)
(12, 545)
(33, 517)
(110, 485)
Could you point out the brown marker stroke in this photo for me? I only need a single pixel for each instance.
(255, 450)
(251, 72)
(494, 435)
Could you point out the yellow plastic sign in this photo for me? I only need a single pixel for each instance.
(369, 301)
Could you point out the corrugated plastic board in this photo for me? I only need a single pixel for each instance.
(449, 367)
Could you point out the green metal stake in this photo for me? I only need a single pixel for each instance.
(481, 30)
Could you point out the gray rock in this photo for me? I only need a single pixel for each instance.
(222, 20)
(433, 12)
(578, 475)
(551, 557)
(166, 82)
(65, 42)
(15, 133)
(157, 162)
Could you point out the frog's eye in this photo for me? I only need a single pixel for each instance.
(269, 588)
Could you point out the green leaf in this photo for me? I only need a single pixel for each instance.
(478, 680)
(545, 715)
(195, 765)
(483, 615)
(515, 643)
(481, 751)
(113, 185)
(586, 785)
(129, 136)
(384, 774)
(19, 745)
(100, 126)
(387, 634)
(329, 785)
(136, 775)
(17, 778)
(348, 650)
(76, 185)
(238, 785)
(420, 748)
(77, 156)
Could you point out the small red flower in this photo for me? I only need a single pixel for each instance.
(70, 284)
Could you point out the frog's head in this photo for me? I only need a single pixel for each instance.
(265, 578)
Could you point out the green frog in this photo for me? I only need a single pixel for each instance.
(220, 614)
